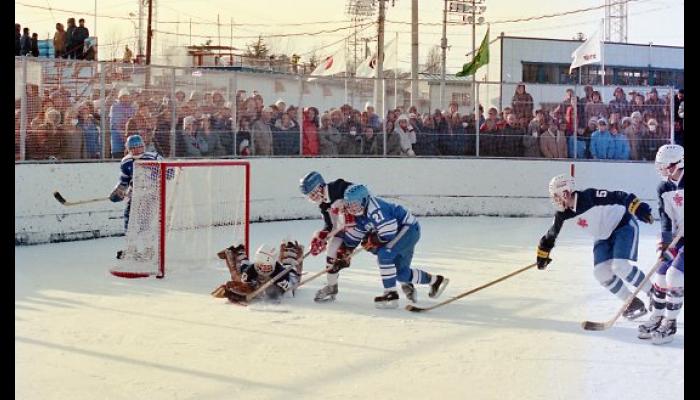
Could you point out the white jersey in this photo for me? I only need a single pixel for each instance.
(671, 204)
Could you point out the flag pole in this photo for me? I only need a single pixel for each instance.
(396, 70)
(602, 51)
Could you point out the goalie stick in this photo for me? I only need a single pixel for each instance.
(413, 308)
(601, 326)
(273, 280)
(67, 203)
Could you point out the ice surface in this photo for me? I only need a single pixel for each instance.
(81, 333)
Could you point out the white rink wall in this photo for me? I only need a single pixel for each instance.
(427, 186)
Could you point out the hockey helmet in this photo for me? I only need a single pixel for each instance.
(356, 198)
(559, 186)
(265, 260)
(134, 141)
(311, 186)
(668, 156)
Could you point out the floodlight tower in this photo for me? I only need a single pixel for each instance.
(616, 21)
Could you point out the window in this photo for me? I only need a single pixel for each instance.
(551, 73)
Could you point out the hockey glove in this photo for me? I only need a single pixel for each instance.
(318, 242)
(342, 259)
(542, 258)
(641, 210)
(372, 243)
(117, 194)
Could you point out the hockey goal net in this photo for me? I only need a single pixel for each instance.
(182, 213)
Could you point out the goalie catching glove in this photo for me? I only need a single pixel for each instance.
(118, 194)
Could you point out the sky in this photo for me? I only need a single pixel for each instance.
(657, 21)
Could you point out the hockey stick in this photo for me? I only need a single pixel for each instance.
(601, 326)
(256, 292)
(324, 271)
(67, 203)
(413, 308)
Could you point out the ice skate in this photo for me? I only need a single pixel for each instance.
(636, 309)
(647, 328)
(410, 291)
(664, 333)
(326, 294)
(387, 300)
(437, 287)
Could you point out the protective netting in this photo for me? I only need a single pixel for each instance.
(182, 214)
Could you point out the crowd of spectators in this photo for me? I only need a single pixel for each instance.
(68, 42)
(60, 126)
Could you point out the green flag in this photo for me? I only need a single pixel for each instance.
(481, 58)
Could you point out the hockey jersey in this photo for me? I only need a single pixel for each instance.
(332, 204)
(127, 166)
(671, 204)
(250, 275)
(382, 217)
(598, 212)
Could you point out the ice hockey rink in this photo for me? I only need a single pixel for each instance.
(81, 333)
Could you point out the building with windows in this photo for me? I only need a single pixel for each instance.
(543, 66)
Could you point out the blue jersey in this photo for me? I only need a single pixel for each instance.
(127, 166)
(671, 205)
(598, 212)
(382, 217)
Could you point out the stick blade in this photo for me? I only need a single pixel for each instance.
(411, 307)
(593, 326)
(59, 197)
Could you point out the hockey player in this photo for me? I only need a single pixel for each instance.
(609, 217)
(247, 276)
(136, 151)
(391, 232)
(668, 288)
(329, 197)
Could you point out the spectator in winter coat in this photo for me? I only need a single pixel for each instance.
(596, 108)
(119, 113)
(71, 47)
(261, 134)
(621, 146)
(25, 43)
(602, 142)
(59, 41)
(629, 131)
(195, 144)
(35, 45)
(92, 139)
(18, 40)
(79, 35)
(310, 145)
(406, 134)
(328, 137)
(553, 141)
(523, 103)
(374, 121)
(619, 104)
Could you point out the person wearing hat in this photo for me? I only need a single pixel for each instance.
(119, 114)
(602, 145)
(621, 145)
(135, 147)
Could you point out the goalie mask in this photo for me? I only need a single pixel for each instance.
(561, 188)
(356, 199)
(265, 260)
(669, 159)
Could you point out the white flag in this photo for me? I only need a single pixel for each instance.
(588, 53)
(332, 64)
(368, 68)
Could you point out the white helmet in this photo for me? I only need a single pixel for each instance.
(265, 260)
(668, 156)
(557, 186)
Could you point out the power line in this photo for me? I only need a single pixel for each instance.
(272, 35)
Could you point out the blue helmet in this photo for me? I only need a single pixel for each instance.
(356, 195)
(134, 141)
(310, 181)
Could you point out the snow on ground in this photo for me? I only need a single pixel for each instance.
(81, 333)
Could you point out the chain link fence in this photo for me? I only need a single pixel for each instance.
(81, 110)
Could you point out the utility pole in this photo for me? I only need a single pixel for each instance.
(414, 52)
(443, 44)
(140, 55)
(379, 83)
(149, 33)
